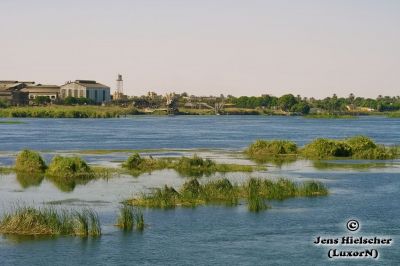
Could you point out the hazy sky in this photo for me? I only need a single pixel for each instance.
(308, 47)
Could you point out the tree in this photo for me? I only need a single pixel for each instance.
(42, 100)
(301, 107)
(287, 101)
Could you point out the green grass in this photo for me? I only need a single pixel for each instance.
(29, 161)
(11, 122)
(130, 217)
(270, 148)
(63, 111)
(49, 221)
(357, 147)
(67, 172)
(323, 165)
(255, 201)
(326, 148)
(255, 191)
(394, 115)
(331, 116)
(194, 166)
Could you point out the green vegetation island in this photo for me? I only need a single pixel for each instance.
(183, 104)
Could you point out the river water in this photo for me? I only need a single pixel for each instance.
(210, 235)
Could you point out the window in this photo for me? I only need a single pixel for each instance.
(95, 95)
(104, 95)
(87, 94)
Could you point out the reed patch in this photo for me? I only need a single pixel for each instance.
(255, 192)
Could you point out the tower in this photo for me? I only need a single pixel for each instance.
(120, 85)
(119, 92)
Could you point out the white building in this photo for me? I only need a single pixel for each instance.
(90, 89)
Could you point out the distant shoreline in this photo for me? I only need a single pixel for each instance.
(89, 111)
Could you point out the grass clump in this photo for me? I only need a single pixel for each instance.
(331, 116)
(186, 166)
(326, 148)
(55, 111)
(138, 165)
(48, 221)
(358, 147)
(86, 223)
(222, 191)
(196, 167)
(130, 217)
(67, 172)
(262, 150)
(29, 161)
(255, 200)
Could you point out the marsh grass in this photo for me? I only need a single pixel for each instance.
(24, 220)
(357, 147)
(394, 115)
(29, 161)
(186, 166)
(255, 201)
(67, 172)
(255, 191)
(130, 217)
(262, 150)
(12, 122)
(331, 116)
(125, 219)
(55, 111)
(323, 165)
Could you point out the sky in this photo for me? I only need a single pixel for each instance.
(314, 48)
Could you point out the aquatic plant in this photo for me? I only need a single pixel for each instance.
(125, 219)
(67, 172)
(264, 149)
(326, 148)
(332, 116)
(221, 191)
(196, 167)
(69, 167)
(255, 201)
(255, 191)
(11, 122)
(186, 166)
(56, 111)
(24, 220)
(311, 189)
(358, 147)
(29, 161)
(138, 165)
(138, 219)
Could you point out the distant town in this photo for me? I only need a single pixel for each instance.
(91, 93)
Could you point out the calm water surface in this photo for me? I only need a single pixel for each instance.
(212, 235)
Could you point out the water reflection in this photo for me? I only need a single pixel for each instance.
(27, 180)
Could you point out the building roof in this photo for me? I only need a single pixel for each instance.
(88, 83)
(42, 88)
(11, 84)
(8, 86)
